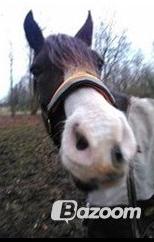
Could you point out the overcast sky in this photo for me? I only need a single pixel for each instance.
(67, 16)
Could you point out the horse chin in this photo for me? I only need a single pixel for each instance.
(88, 186)
(95, 183)
(111, 181)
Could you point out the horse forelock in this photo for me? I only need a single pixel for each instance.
(69, 53)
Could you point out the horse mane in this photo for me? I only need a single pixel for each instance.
(67, 52)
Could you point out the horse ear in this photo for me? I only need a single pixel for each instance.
(33, 33)
(85, 33)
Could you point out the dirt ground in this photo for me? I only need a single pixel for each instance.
(31, 179)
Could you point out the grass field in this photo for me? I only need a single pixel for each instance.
(31, 179)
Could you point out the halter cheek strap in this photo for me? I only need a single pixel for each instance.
(55, 108)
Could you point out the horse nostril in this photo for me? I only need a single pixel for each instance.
(81, 142)
(117, 156)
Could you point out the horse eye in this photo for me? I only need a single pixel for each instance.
(36, 70)
(100, 64)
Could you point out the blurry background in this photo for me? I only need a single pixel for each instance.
(123, 35)
(31, 175)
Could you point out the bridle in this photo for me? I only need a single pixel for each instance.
(55, 109)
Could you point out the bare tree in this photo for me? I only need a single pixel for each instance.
(112, 47)
(12, 100)
(130, 71)
(123, 69)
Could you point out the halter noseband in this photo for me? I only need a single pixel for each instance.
(56, 113)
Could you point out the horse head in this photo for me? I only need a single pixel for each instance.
(95, 140)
